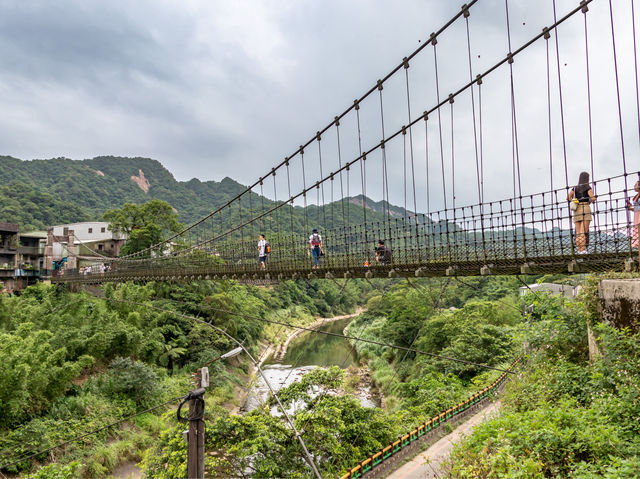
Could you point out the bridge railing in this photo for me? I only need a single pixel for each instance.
(532, 233)
(426, 429)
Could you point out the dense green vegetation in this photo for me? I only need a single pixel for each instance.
(35, 209)
(563, 416)
(71, 362)
(144, 225)
(338, 430)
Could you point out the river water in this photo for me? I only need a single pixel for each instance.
(305, 353)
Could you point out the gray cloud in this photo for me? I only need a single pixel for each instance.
(215, 89)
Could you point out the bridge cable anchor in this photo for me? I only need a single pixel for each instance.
(526, 268)
(630, 265)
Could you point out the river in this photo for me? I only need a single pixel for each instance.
(306, 352)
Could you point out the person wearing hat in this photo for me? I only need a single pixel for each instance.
(383, 254)
(315, 247)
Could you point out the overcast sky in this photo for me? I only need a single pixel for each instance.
(229, 88)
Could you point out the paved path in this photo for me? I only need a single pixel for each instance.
(426, 465)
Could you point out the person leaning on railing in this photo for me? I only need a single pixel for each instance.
(581, 196)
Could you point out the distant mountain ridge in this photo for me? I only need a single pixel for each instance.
(79, 190)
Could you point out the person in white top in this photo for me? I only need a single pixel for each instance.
(315, 246)
(262, 252)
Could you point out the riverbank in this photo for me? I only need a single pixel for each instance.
(270, 352)
(281, 349)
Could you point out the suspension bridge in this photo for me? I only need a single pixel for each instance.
(379, 147)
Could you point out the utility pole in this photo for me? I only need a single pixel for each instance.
(195, 435)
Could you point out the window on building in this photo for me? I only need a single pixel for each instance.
(90, 230)
(103, 229)
(99, 247)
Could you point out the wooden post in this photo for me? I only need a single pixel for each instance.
(195, 451)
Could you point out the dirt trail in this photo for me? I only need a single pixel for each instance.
(427, 465)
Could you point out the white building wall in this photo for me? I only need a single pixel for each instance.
(88, 231)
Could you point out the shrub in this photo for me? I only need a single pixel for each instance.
(131, 379)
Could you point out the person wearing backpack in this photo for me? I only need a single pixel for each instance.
(315, 247)
(383, 254)
(264, 248)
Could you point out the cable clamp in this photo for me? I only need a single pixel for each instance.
(380, 85)
(286, 161)
(510, 58)
(451, 98)
(273, 171)
(405, 63)
(336, 120)
(433, 39)
(404, 130)
(425, 116)
(260, 185)
(356, 104)
(546, 33)
(382, 144)
(585, 7)
(301, 150)
(479, 79)
(364, 157)
(465, 10)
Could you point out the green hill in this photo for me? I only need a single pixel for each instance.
(59, 190)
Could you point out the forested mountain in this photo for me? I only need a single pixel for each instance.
(65, 190)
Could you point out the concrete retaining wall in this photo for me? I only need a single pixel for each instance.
(620, 302)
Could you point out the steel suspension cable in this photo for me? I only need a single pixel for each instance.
(588, 75)
(453, 160)
(547, 36)
(324, 212)
(514, 123)
(564, 142)
(615, 66)
(635, 63)
(434, 42)
(459, 91)
(479, 82)
(385, 177)
(473, 104)
(87, 434)
(450, 22)
(413, 171)
(426, 149)
(363, 179)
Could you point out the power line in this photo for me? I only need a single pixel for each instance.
(95, 431)
(327, 333)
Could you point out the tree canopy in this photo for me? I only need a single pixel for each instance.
(144, 224)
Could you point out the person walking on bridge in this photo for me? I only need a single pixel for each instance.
(315, 247)
(263, 250)
(383, 254)
(582, 196)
